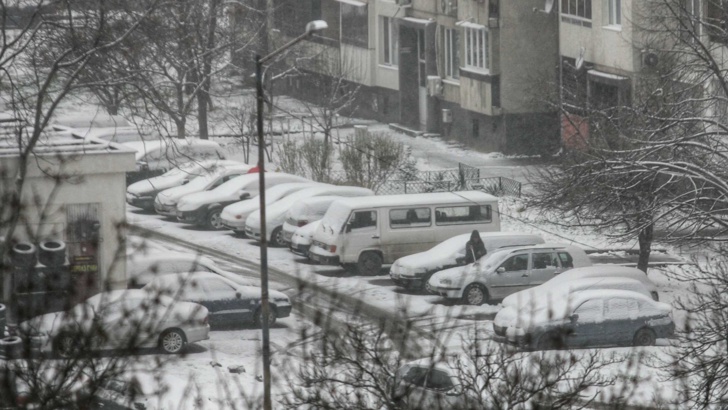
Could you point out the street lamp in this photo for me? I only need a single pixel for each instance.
(311, 27)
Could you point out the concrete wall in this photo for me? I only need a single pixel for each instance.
(93, 177)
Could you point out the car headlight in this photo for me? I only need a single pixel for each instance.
(445, 282)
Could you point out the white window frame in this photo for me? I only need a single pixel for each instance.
(452, 53)
(615, 12)
(475, 38)
(389, 43)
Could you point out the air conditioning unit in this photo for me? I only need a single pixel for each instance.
(493, 22)
(434, 86)
(650, 59)
(403, 3)
(446, 116)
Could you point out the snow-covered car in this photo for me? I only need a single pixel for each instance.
(142, 268)
(591, 277)
(500, 273)
(234, 215)
(228, 303)
(157, 157)
(204, 208)
(166, 201)
(302, 238)
(304, 212)
(413, 271)
(147, 391)
(143, 193)
(425, 384)
(276, 213)
(600, 317)
(119, 319)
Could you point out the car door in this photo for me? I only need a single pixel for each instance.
(223, 303)
(621, 320)
(361, 232)
(118, 325)
(511, 276)
(586, 325)
(544, 266)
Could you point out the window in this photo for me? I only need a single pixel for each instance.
(615, 12)
(590, 311)
(576, 12)
(409, 217)
(690, 27)
(452, 53)
(717, 16)
(566, 260)
(516, 263)
(354, 25)
(466, 214)
(476, 47)
(363, 220)
(544, 260)
(389, 42)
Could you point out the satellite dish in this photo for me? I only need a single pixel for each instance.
(548, 6)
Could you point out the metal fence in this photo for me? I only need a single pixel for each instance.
(457, 179)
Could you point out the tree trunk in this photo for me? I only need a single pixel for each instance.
(202, 114)
(645, 238)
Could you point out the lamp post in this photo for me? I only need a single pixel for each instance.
(311, 27)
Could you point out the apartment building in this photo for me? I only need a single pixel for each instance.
(476, 71)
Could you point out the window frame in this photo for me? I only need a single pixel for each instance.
(488, 213)
(581, 16)
(451, 52)
(389, 43)
(614, 12)
(410, 225)
(476, 40)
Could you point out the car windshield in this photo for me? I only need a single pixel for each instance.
(201, 182)
(232, 186)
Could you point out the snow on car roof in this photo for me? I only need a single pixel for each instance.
(434, 198)
(600, 270)
(558, 290)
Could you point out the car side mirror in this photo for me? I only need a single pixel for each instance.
(574, 318)
(238, 295)
(500, 269)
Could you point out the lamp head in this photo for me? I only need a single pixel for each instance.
(316, 25)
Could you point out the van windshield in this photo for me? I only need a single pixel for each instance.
(335, 218)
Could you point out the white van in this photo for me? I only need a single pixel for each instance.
(377, 230)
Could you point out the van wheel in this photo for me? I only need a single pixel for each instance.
(276, 238)
(214, 220)
(370, 263)
(475, 294)
(644, 337)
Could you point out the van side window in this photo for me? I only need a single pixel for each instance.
(409, 217)
(468, 214)
(566, 260)
(363, 219)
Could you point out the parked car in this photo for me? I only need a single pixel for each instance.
(505, 271)
(591, 277)
(157, 157)
(204, 208)
(424, 384)
(587, 318)
(227, 302)
(166, 201)
(413, 271)
(304, 212)
(276, 213)
(302, 238)
(143, 268)
(234, 215)
(119, 319)
(143, 193)
(371, 232)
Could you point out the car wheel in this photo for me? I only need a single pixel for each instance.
(551, 341)
(475, 294)
(644, 337)
(276, 238)
(272, 316)
(214, 220)
(65, 345)
(370, 263)
(172, 341)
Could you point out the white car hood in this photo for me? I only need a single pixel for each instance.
(155, 184)
(195, 200)
(172, 195)
(456, 275)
